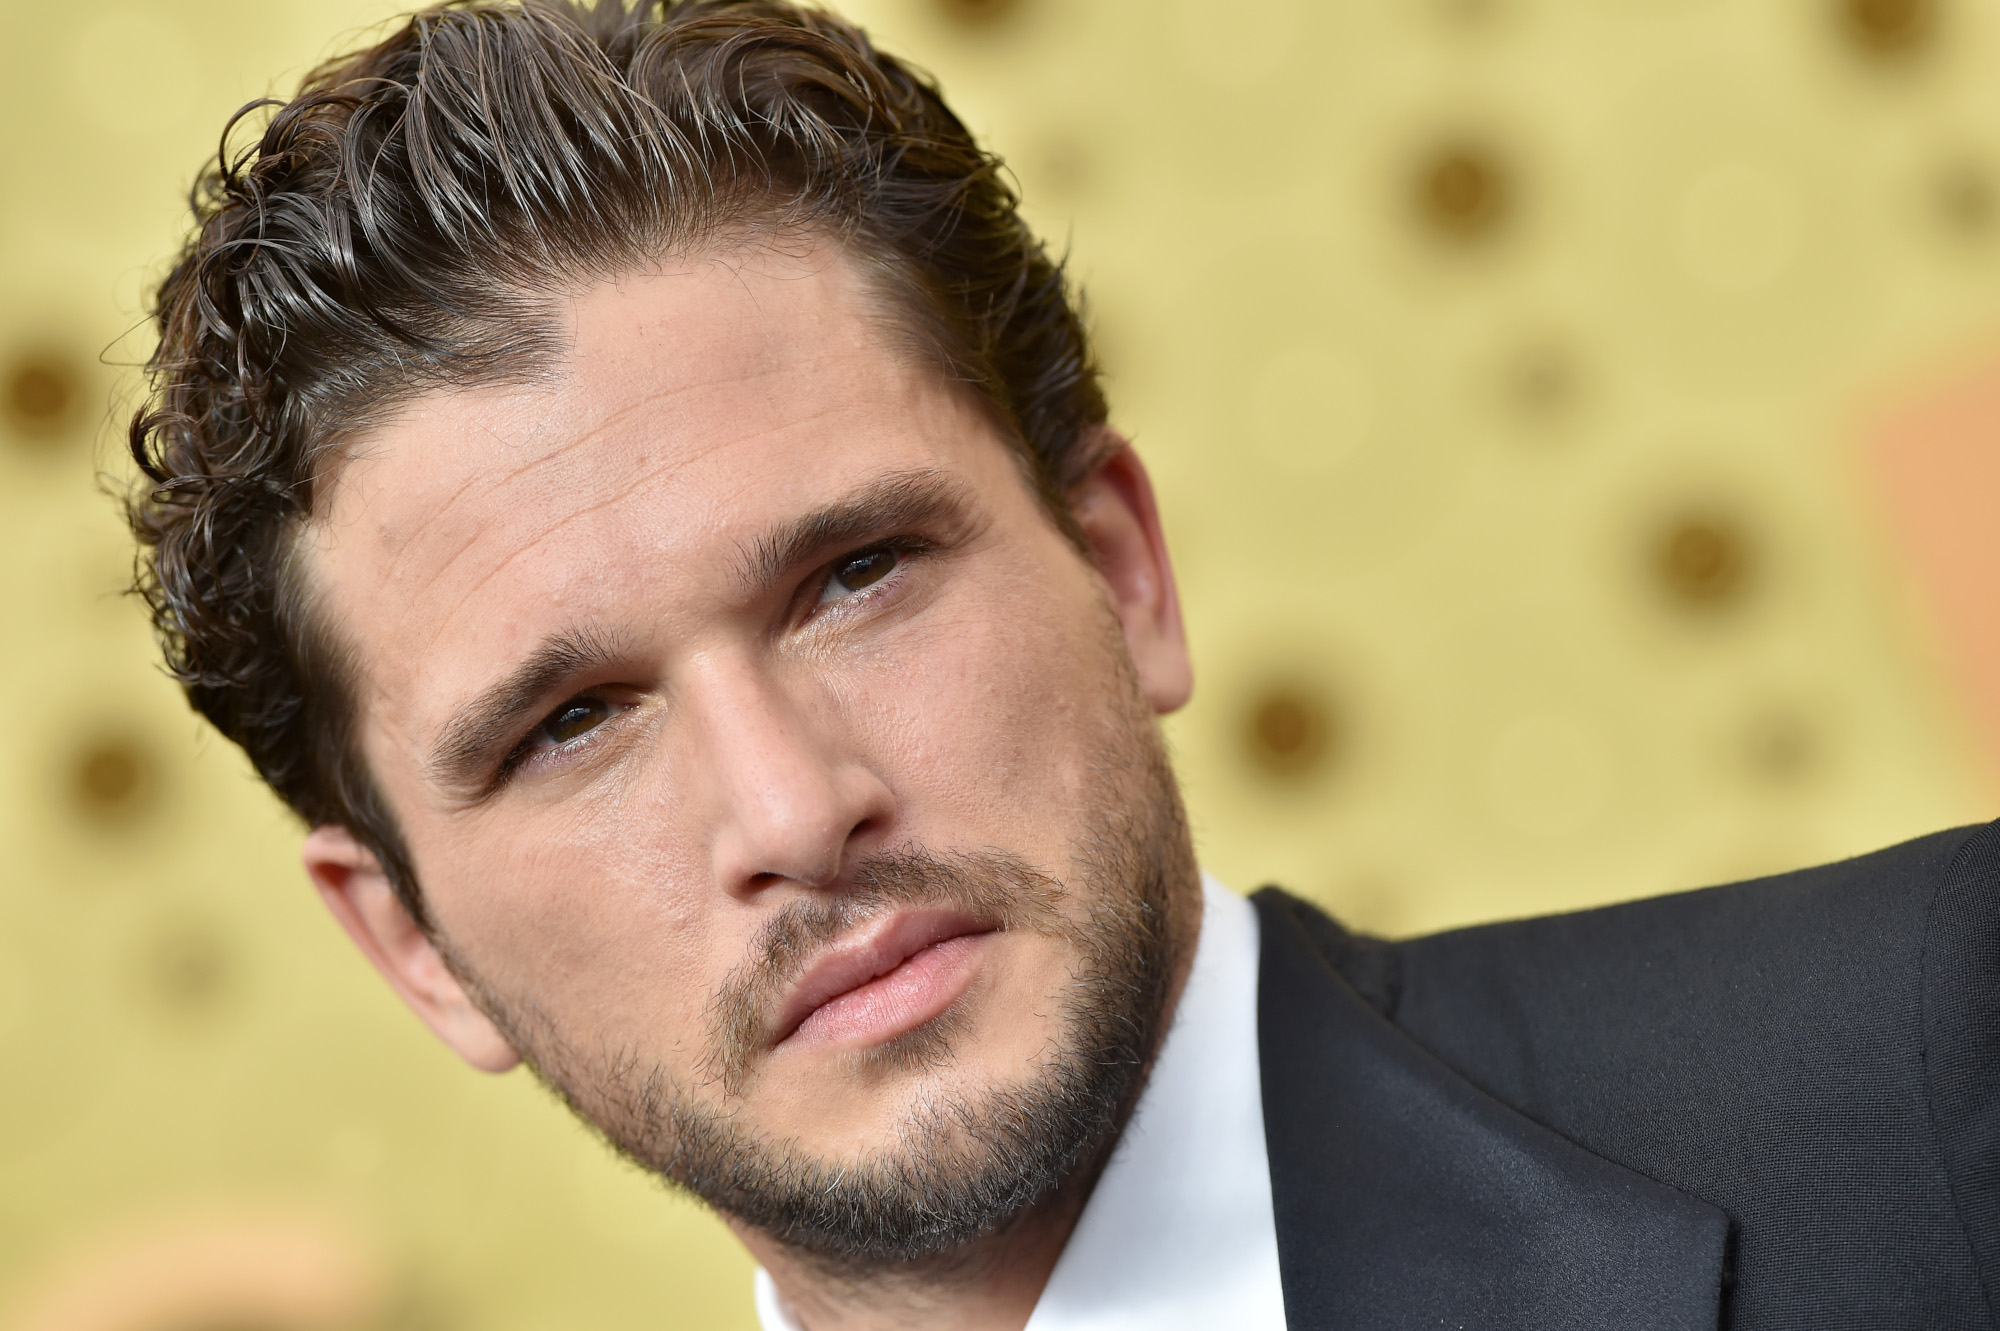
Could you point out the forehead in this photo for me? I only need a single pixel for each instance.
(696, 404)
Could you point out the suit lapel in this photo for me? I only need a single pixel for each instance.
(1406, 1197)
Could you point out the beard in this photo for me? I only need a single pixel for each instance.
(963, 1165)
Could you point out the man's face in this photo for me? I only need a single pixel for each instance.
(774, 769)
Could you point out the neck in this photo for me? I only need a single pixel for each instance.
(990, 1285)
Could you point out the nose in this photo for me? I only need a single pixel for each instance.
(789, 801)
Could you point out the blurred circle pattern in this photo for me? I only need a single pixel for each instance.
(1291, 731)
(1552, 363)
(112, 779)
(42, 393)
(1782, 746)
(1542, 381)
(1889, 28)
(1703, 561)
(187, 967)
(1966, 197)
(1462, 191)
(979, 12)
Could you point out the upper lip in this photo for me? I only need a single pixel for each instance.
(872, 951)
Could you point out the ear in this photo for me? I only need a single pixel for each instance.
(351, 883)
(1120, 520)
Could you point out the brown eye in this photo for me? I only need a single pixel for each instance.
(864, 570)
(575, 718)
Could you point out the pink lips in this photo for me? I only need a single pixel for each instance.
(893, 976)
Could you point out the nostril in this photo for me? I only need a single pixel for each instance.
(869, 830)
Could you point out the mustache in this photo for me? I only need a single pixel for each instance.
(991, 884)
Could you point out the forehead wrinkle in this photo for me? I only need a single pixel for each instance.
(472, 539)
(648, 401)
(507, 477)
(637, 481)
(732, 262)
(464, 596)
(653, 474)
(441, 626)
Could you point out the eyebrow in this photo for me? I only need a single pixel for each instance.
(465, 756)
(900, 501)
(465, 752)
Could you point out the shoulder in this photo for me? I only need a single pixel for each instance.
(1826, 966)
(1817, 1053)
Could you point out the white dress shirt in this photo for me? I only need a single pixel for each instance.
(1178, 1232)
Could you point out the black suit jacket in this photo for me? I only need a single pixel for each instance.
(1764, 1106)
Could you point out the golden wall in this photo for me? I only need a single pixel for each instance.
(1530, 387)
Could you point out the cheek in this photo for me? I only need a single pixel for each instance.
(585, 911)
(990, 713)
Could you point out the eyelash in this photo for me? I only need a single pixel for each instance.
(529, 748)
(905, 548)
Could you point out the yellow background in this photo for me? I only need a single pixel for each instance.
(1526, 549)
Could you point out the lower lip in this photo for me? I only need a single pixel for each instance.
(919, 990)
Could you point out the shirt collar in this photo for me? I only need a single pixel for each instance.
(1179, 1231)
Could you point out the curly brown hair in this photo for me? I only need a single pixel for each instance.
(410, 220)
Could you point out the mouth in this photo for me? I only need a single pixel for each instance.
(889, 978)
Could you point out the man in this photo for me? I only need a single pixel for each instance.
(632, 483)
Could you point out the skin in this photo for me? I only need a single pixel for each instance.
(760, 729)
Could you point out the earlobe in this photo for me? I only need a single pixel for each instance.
(1120, 519)
(351, 882)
